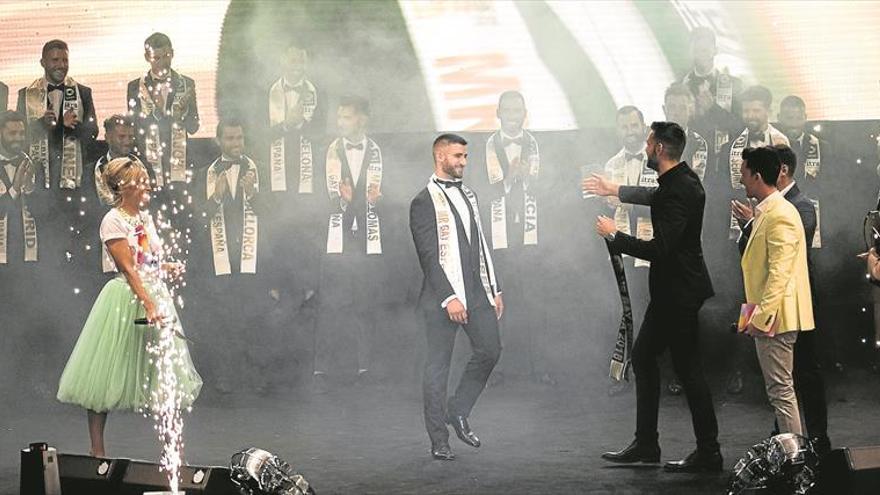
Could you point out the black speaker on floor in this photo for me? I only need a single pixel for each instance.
(92, 475)
(851, 471)
(141, 476)
(46, 472)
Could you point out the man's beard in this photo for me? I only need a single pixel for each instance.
(58, 75)
(754, 125)
(13, 149)
(653, 164)
(452, 171)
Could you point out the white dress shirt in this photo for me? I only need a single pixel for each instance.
(231, 175)
(355, 158)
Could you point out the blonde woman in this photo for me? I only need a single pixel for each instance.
(110, 367)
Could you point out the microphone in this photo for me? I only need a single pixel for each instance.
(145, 322)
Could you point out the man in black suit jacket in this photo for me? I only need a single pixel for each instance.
(809, 383)
(167, 100)
(61, 129)
(226, 263)
(460, 290)
(678, 283)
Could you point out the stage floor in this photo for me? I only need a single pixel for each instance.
(354, 440)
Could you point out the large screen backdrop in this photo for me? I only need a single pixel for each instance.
(441, 64)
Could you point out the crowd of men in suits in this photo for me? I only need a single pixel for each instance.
(302, 222)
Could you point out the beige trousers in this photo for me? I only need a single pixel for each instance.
(776, 356)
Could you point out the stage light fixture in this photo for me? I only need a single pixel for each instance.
(258, 472)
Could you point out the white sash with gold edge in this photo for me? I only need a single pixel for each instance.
(277, 156)
(219, 245)
(29, 225)
(71, 149)
(373, 158)
(700, 156)
(154, 151)
(735, 164)
(812, 165)
(530, 201)
(447, 244)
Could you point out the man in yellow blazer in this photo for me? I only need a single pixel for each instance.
(776, 280)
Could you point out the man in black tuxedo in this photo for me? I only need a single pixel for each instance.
(809, 382)
(460, 288)
(226, 264)
(351, 268)
(61, 129)
(293, 127)
(678, 283)
(163, 104)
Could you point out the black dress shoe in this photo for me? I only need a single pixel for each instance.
(463, 430)
(442, 453)
(821, 445)
(674, 387)
(697, 462)
(634, 453)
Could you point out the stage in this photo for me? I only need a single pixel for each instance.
(371, 439)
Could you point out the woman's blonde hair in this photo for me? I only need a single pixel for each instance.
(118, 173)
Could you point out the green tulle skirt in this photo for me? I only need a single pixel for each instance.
(111, 368)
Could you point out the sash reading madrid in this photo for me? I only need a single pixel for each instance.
(36, 97)
(373, 165)
(219, 245)
(496, 164)
(447, 244)
(621, 357)
(308, 98)
(29, 225)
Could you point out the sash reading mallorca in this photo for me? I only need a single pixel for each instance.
(219, 246)
(735, 164)
(36, 100)
(29, 225)
(307, 97)
(372, 164)
(621, 357)
(155, 152)
(447, 244)
(496, 163)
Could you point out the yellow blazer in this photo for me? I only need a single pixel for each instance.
(775, 273)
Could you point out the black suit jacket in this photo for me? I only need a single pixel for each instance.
(807, 212)
(435, 286)
(678, 272)
(190, 121)
(85, 132)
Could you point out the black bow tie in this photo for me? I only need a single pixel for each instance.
(55, 87)
(634, 156)
(507, 142)
(359, 146)
(757, 137)
(449, 183)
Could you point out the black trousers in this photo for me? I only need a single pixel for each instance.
(482, 331)
(675, 327)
